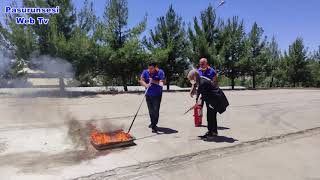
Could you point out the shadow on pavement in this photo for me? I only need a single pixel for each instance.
(58, 94)
(219, 127)
(222, 128)
(220, 139)
(164, 130)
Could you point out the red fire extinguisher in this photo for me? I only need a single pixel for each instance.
(197, 115)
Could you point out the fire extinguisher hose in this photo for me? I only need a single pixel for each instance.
(193, 106)
(189, 110)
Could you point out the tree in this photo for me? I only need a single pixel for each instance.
(66, 18)
(168, 44)
(79, 49)
(41, 31)
(273, 60)
(121, 40)
(82, 46)
(19, 39)
(60, 27)
(296, 62)
(116, 18)
(233, 48)
(4, 38)
(316, 55)
(16, 46)
(204, 37)
(255, 62)
(313, 67)
(86, 18)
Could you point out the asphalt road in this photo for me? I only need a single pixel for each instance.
(45, 138)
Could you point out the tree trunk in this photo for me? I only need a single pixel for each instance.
(61, 85)
(125, 87)
(232, 79)
(168, 84)
(124, 81)
(271, 82)
(232, 83)
(254, 80)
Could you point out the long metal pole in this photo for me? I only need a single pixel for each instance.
(134, 118)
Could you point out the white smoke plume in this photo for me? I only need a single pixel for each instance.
(46, 112)
(52, 65)
(6, 62)
(106, 126)
(49, 66)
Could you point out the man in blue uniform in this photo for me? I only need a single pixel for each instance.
(208, 73)
(153, 79)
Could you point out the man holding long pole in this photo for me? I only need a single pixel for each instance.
(153, 79)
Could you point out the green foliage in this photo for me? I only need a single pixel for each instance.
(273, 55)
(86, 17)
(256, 57)
(233, 48)
(60, 27)
(126, 50)
(107, 51)
(79, 50)
(17, 38)
(23, 41)
(296, 64)
(66, 18)
(168, 44)
(41, 31)
(316, 55)
(204, 37)
(16, 45)
(313, 68)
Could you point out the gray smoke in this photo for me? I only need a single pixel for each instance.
(106, 126)
(79, 132)
(52, 65)
(6, 62)
(48, 66)
(190, 65)
(49, 111)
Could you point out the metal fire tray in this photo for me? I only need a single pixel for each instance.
(114, 144)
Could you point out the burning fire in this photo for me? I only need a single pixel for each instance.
(107, 138)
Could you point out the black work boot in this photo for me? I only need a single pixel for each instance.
(210, 134)
(205, 135)
(154, 129)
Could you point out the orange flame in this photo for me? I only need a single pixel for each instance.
(107, 138)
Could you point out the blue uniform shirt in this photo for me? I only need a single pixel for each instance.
(154, 89)
(209, 73)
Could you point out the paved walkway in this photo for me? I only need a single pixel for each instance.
(40, 137)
